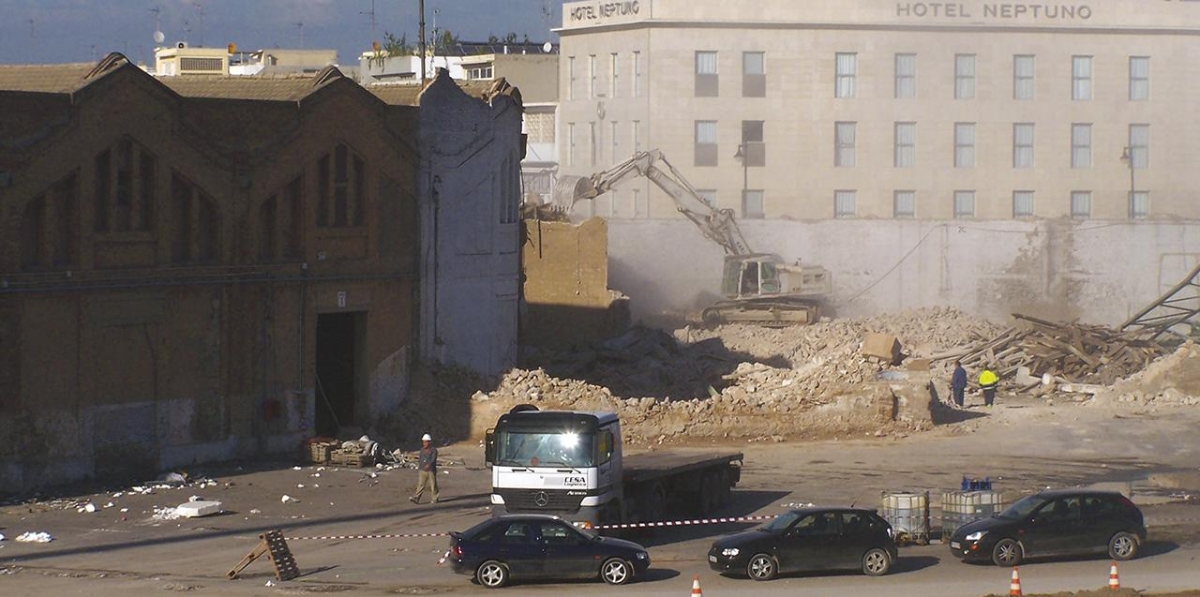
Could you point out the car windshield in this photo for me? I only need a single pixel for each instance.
(782, 521)
(519, 448)
(1023, 507)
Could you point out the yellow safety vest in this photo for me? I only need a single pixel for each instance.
(987, 379)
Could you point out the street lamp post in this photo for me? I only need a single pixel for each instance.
(741, 156)
(1127, 157)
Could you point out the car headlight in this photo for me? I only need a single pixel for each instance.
(977, 535)
(730, 552)
(641, 555)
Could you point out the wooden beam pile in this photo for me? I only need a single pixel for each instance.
(1072, 352)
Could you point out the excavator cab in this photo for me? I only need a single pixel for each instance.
(750, 276)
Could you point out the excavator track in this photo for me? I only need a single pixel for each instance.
(773, 312)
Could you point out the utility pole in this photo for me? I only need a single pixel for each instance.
(421, 7)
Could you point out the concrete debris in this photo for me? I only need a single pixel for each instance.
(1172, 380)
(884, 347)
(32, 537)
(199, 508)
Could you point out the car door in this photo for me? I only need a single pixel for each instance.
(807, 544)
(1055, 528)
(857, 536)
(569, 554)
(521, 548)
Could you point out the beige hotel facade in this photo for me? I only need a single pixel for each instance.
(819, 109)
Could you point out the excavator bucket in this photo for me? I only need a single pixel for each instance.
(570, 189)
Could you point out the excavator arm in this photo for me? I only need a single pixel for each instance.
(718, 225)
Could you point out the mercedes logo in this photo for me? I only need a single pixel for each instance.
(541, 499)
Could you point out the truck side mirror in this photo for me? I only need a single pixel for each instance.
(489, 447)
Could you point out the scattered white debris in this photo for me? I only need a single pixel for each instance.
(299, 486)
(32, 537)
(198, 508)
(165, 514)
(296, 468)
(270, 583)
(287, 498)
(88, 507)
(109, 505)
(316, 475)
(124, 510)
(1, 536)
(255, 511)
(195, 498)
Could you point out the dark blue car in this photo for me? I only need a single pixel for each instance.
(1054, 523)
(527, 546)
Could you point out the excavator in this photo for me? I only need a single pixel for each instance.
(758, 288)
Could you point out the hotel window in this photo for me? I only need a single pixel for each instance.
(570, 143)
(843, 204)
(637, 136)
(709, 196)
(906, 76)
(1139, 205)
(1023, 81)
(594, 141)
(754, 74)
(964, 204)
(616, 148)
(1139, 145)
(707, 81)
(843, 154)
(1139, 78)
(1023, 145)
(906, 144)
(637, 74)
(592, 76)
(904, 204)
(752, 204)
(753, 143)
(612, 82)
(1081, 146)
(706, 143)
(1081, 77)
(847, 70)
(640, 208)
(570, 77)
(1022, 204)
(1081, 205)
(964, 76)
(964, 145)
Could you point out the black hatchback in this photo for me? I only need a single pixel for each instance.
(808, 539)
(1054, 523)
(526, 546)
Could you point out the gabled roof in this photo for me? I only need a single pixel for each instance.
(45, 78)
(409, 95)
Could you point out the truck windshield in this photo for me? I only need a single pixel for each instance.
(518, 448)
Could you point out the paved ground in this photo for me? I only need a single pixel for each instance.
(1022, 445)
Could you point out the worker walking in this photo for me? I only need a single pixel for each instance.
(958, 383)
(426, 471)
(987, 383)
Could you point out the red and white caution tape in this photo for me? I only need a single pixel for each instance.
(682, 523)
(346, 537)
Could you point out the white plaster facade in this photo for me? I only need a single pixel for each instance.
(470, 228)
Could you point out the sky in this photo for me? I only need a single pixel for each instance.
(59, 31)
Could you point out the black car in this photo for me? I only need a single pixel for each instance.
(540, 546)
(1052, 523)
(809, 539)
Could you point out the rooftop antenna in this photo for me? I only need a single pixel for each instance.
(421, 8)
(200, 15)
(300, 25)
(372, 14)
(32, 29)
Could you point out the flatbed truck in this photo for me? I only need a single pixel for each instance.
(571, 464)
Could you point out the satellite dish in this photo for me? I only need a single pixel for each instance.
(546, 47)
(159, 37)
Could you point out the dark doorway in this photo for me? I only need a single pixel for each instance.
(339, 382)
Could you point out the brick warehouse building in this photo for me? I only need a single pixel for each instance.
(196, 269)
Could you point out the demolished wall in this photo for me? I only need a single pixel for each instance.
(566, 297)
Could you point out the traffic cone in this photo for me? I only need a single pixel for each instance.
(696, 586)
(1014, 588)
(1114, 580)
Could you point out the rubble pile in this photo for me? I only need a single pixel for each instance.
(1171, 380)
(1070, 352)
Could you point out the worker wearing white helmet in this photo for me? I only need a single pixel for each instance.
(426, 471)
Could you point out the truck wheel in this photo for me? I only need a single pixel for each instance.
(492, 574)
(762, 567)
(616, 571)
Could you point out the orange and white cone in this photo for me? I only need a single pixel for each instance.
(1014, 588)
(1114, 580)
(696, 586)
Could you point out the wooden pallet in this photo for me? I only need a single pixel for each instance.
(276, 549)
(350, 458)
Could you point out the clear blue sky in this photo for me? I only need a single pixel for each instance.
(56, 31)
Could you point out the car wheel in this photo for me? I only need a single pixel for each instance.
(492, 574)
(762, 567)
(1007, 552)
(876, 562)
(1123, 546)
(616, 571)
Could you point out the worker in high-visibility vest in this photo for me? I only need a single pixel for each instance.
(987, 383)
